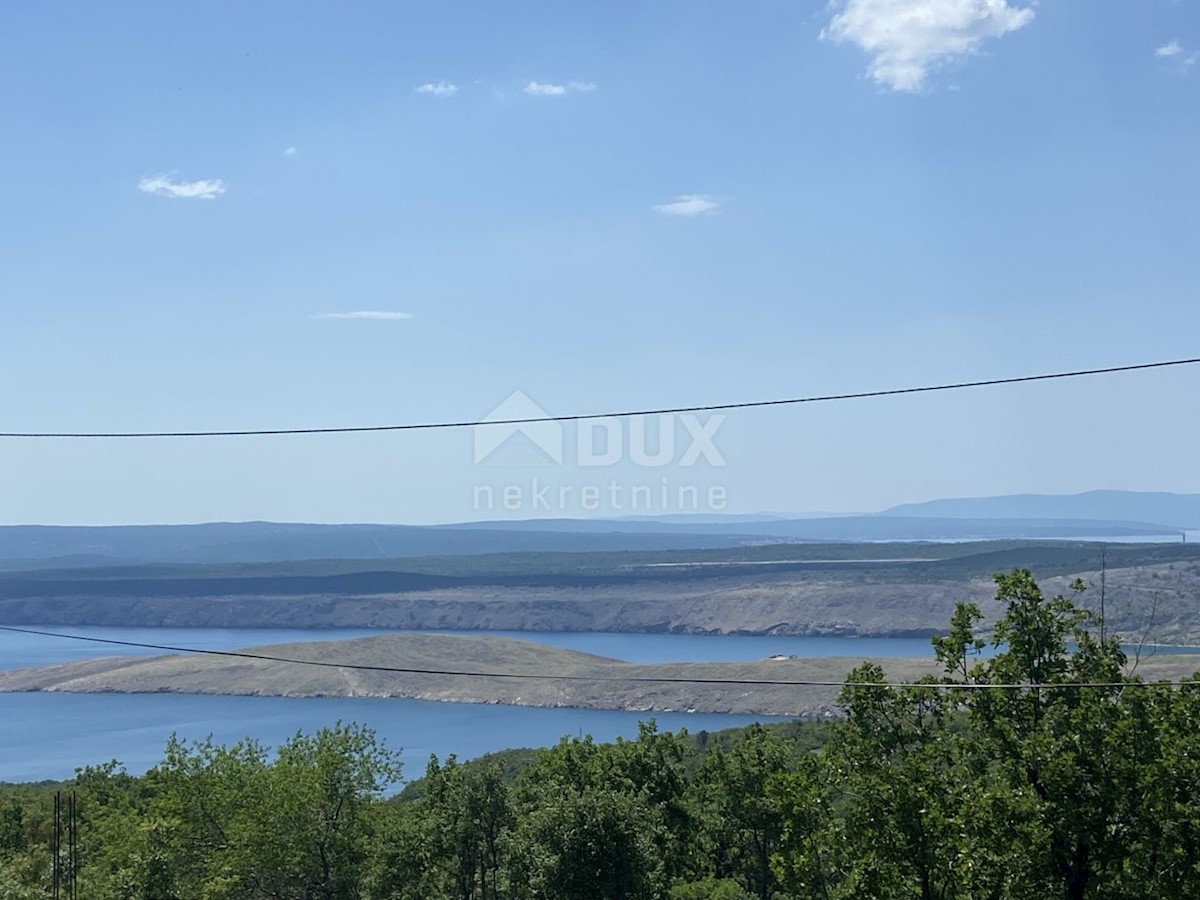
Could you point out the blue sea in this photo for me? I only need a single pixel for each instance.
(47, 735)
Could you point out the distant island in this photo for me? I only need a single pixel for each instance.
(587, 681)
(566, 678)
(1181, 511)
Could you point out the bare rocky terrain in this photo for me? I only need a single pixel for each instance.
(503, 667)
(1151, 592)
(1159, 602)
(765, 605)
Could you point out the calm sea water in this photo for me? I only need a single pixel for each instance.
(21, 650)
(45, 736)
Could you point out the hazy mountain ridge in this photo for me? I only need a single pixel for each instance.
(224, 542)
(1182, 511)
(1098, 514)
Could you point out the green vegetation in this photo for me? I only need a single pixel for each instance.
(1077, 783)
(803, 736)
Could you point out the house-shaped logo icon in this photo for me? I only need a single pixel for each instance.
(511, 441)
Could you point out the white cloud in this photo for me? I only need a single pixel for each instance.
(290, 151)
(438, 89)
(1174, 53)
(543, 89)
(378, 314)
(907, 38)
(163, 186)
(688, 205)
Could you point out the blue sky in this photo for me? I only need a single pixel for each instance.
(603, 206)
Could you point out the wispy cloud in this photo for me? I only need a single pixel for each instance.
(545, 89)
(165, 186)
(438, 89)
(907, 38)
(1175, 55)
(689, 205)
(377, 314)
(290, 151)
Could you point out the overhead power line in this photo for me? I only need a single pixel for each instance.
(642, 679)
(670, 410)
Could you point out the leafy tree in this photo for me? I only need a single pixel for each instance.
(588, 824)
(226, 823)
(653, 769)
(709, 889)
(1056, 743)
(401, 866)
(587, 844)
(810, 833)
(468, 815)
(894, 763)
(742, 819)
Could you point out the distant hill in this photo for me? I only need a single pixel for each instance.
(875, 589)
(38, 546)
(560, 677)
(852, 528)
(32, 547)
(1095, 515)
(1182, 511)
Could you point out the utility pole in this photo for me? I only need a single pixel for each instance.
(56, 847)
(73, 843)
(1103, 580)
(64, 885)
